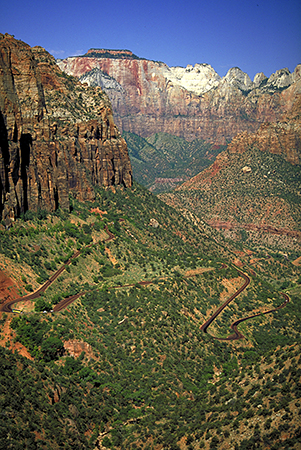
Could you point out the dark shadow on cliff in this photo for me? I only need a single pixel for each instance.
(25, 145)
(4, 186)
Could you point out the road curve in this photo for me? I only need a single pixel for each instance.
(7, 307)
(226, 303)
(237, 334)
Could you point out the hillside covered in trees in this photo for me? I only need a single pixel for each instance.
(126, 364)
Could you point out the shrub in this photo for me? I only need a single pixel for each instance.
(29, 288)
(51, 348)
(42, 305)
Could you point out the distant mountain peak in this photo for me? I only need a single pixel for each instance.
(238, 78)
(198, 79)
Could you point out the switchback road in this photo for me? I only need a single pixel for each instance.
(7, 307)
(237, 334)
(223, 306)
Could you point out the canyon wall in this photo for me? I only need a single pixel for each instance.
(252, 190)
(193, 102)
(280, 138)
(57, 136)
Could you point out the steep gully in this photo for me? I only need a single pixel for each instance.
(7, 307)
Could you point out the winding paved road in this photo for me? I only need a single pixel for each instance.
(237, 334)
(223, 306)
(7, 307)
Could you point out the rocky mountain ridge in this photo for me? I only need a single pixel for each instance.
(202, 78)
(57, 137)
(199, 78)
(193, 102)
(103, 52)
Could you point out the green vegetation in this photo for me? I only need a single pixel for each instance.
(144, 375)
(122, 54)
(159, 160)
(81, 103)
(267, 197)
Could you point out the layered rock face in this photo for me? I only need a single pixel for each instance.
(57, 137)
(192, 102)
(252, 190)
(281, 138)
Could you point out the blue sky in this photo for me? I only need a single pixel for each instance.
(257, 36)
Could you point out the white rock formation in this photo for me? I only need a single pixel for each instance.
(198, 79)
(259, 77)
(97, 77)
(281, 78)
(239, 79)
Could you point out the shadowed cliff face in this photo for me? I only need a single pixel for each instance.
(57, 137)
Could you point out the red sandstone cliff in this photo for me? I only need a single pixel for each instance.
(149, 97)
(57, 137)
(281, 138)
(245, 189)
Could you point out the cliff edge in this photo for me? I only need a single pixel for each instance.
(57, 136)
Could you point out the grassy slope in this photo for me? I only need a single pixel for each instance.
(151, 379)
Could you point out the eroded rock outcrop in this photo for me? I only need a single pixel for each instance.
(280, 138)
(57, 136)
(75, 348)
